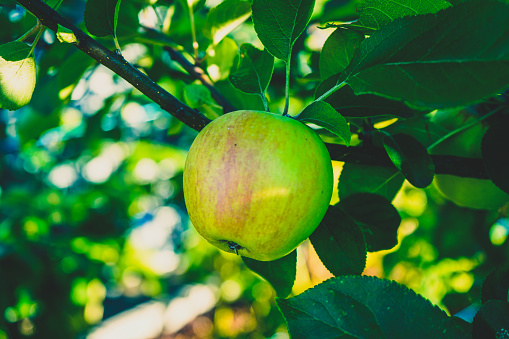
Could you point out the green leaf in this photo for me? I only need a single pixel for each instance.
(196, 96)
(338, 50)
(492, 321)
(17, 75)
(101, 17)
(72, 69)
(221, 58)
(394, 312)
(279, 273)
(239, 99)
(453, 58)
(255, 70)
(279, 23)
(375, 14)
(339, 243)
(496, 286)
(495, 157)
(378, 218)
(65, 35)
(411, 158)
(328, 313)
(357, 178)
(365, 105)
(322, 114)
(224, 18)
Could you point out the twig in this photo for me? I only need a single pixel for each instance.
(51, 19)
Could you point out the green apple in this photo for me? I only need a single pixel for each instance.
(257, 184)
(465, 192)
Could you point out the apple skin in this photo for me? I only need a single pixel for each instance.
(258, 180)
(465, 192)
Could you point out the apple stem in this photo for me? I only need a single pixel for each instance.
(234, 247)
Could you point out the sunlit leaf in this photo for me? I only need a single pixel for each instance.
(224, 18)
(17, 75)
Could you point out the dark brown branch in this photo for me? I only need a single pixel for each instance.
(115, 62)
(444, 164)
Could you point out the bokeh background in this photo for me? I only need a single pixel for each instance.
(95, 241)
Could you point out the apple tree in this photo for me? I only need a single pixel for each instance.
(100, 100)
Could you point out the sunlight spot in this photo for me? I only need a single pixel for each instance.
(63, 176)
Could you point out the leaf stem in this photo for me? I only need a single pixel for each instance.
(31, 32)
(265, 102)
(462, 128)
(330, 91)
(193, 30)
(287, 88)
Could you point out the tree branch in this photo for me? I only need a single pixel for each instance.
(444, 164)
(51, 19)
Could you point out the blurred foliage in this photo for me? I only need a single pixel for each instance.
(92, 218)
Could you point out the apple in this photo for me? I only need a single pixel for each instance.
(465, 192)
(257, 184)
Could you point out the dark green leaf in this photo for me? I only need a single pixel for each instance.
(279, 23)
(279, 273)
(496, 286)
(398, 311)
(339, 243)
(17, 75)
(239, 99)
(364, 105)
(411, 158)
(357, 178)
(492, 321)
(495, 155)
(378, 218)
(338, 50)
(255, 70)
(72, 69)
(453, 58)
(224, 18)
(375, 14)
(100, 17)
(327, 313)
(322, 114)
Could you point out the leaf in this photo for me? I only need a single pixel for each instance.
(492, 321)
(496, 286)
(279, 273)
(378, 218)
(322, 114)
(328, 313)
(365, 105)
(279, 23)
(101, 17)
(375, 14)
(221, 58)
(357, 178)
(65, 35)
(196, 96)
(72, 69)
(337, 51)
(17, 75)
(495, 158)
(255, 70)
(239, 99)
(411, 158)
(339, 243)
(224, 18)
(455, 57)
(398, 312)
